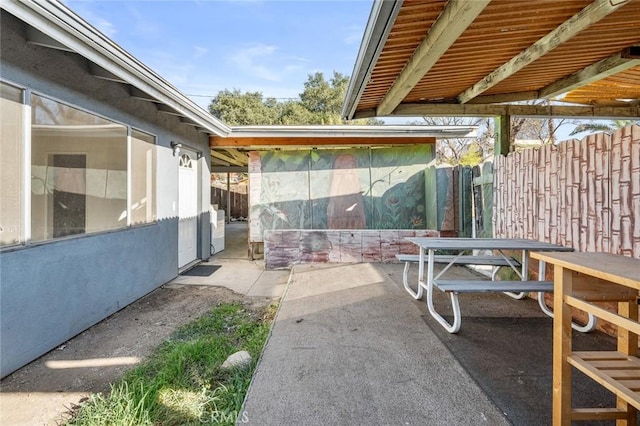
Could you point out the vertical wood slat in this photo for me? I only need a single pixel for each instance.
(562, 191)
(552, 167)
(635, 189)
(575, 206)
(616, 220)
(592, 202)
(583, 212)
(599, 192)
(528, 202)
(626, 227)
(543, 190)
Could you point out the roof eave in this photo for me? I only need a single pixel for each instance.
(381, 19)
(400, 131)
(57, 21)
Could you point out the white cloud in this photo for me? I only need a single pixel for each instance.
(200, 51)
(84, 10)
(251, 60)
(106, 27)
(352, 35)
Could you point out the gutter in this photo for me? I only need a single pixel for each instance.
(399, 131)
(58, 22)
(383, 15)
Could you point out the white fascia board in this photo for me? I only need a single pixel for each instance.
(440, 132)
(381, 18)
(58, 22)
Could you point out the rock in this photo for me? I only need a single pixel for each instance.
(241, 359)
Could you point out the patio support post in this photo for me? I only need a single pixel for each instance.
(503, 135)
(228, 217)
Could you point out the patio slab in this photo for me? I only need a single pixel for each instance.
(506, 347)
(349, 347)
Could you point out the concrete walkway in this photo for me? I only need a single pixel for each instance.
(349, 347)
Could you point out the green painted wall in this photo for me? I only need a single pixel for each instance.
(362, 188)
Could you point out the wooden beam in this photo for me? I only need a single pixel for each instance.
(454, 19)
(505, 97)
(39, 38)
(136, 93)
(601, 69)
(451, 110)
(302, 142)
(229, 169)
(99, 72)
(188, 122)
(565, 31)
(240, 156)
(502, 144)
(226, 158)
(167, 110)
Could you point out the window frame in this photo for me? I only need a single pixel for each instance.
(26, 184)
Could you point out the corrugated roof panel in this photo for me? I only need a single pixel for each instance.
(499, 33)
(504, 29)
(413, 21)
(625, 85)
(601, 40)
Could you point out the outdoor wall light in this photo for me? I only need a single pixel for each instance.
(176, 148)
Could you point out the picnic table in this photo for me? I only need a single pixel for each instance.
(462, 246)
(582, 279)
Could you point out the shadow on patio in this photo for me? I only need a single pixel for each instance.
(350, 346)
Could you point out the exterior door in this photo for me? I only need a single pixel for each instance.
(187, 208)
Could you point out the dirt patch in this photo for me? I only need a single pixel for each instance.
(92, 360)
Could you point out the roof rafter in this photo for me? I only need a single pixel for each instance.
(238, 155)
(227, 159)
(437, 41)
(602, 69)
(591, 14)
(475, 110)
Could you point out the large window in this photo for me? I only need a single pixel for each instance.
(88, 173)
(79, 173)
(143, 178)
(11, 169)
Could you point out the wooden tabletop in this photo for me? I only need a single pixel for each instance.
(485, 244)
(610, 267)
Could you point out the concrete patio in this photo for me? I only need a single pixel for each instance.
(349, 346)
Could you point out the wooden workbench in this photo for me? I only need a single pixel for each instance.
(579, 280)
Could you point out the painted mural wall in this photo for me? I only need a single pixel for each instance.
(362, 188)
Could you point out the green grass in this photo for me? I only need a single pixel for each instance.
(182, 383)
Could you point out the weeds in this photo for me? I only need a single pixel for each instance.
(182, 383)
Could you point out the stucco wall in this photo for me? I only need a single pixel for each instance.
(52, 291)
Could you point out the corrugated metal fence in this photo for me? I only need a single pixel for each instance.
(583, 194)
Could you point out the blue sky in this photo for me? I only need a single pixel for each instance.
(205, 46)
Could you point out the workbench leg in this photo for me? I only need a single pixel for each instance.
(561, 347)
(628, 344)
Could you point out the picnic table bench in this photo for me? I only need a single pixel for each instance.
(517, 289)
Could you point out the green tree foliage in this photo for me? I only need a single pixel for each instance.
(236, 108)
(319, 103)
(603, 126)
(324, 98)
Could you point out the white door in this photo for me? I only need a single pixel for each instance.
(187, 208)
